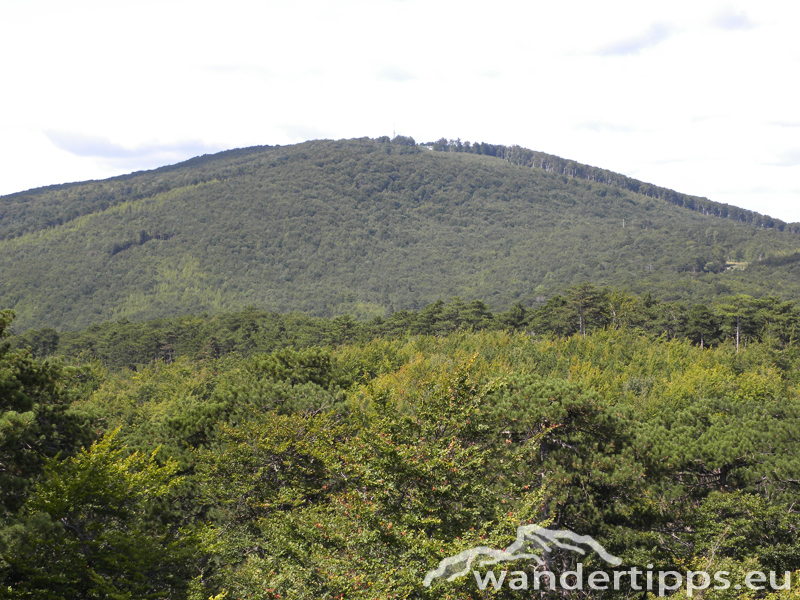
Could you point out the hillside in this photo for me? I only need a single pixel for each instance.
(367, 227)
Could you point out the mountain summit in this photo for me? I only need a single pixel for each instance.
(367, 227)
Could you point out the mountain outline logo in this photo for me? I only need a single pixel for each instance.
(528, 537)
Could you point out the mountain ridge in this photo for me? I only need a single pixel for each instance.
(514, 154)
(574, 169)
(364, 227)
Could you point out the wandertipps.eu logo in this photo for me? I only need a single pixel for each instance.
(533, 538)
(529, 538)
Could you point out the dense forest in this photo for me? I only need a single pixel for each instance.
(555, 164)
(369, 228)
(320, 371)
(287, 456)
(580, 309)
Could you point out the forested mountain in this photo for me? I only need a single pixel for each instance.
(370, 227)
(317, 371)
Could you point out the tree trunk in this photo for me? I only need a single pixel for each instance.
(737, 334)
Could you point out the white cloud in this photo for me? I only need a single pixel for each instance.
(392, 73)
(730, 19)
(654, 35)
(788, 158)
(121, 157)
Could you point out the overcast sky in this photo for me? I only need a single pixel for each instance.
(700, 97)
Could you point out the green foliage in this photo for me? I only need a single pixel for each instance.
(735, 443)
(579, 309)
(296, 367)
(85, 532)
(738, 526)
(182, 405)
(310, 507)
(36, 419)
(352, 470)
(585, 456)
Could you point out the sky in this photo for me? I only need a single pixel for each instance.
(699, 97)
